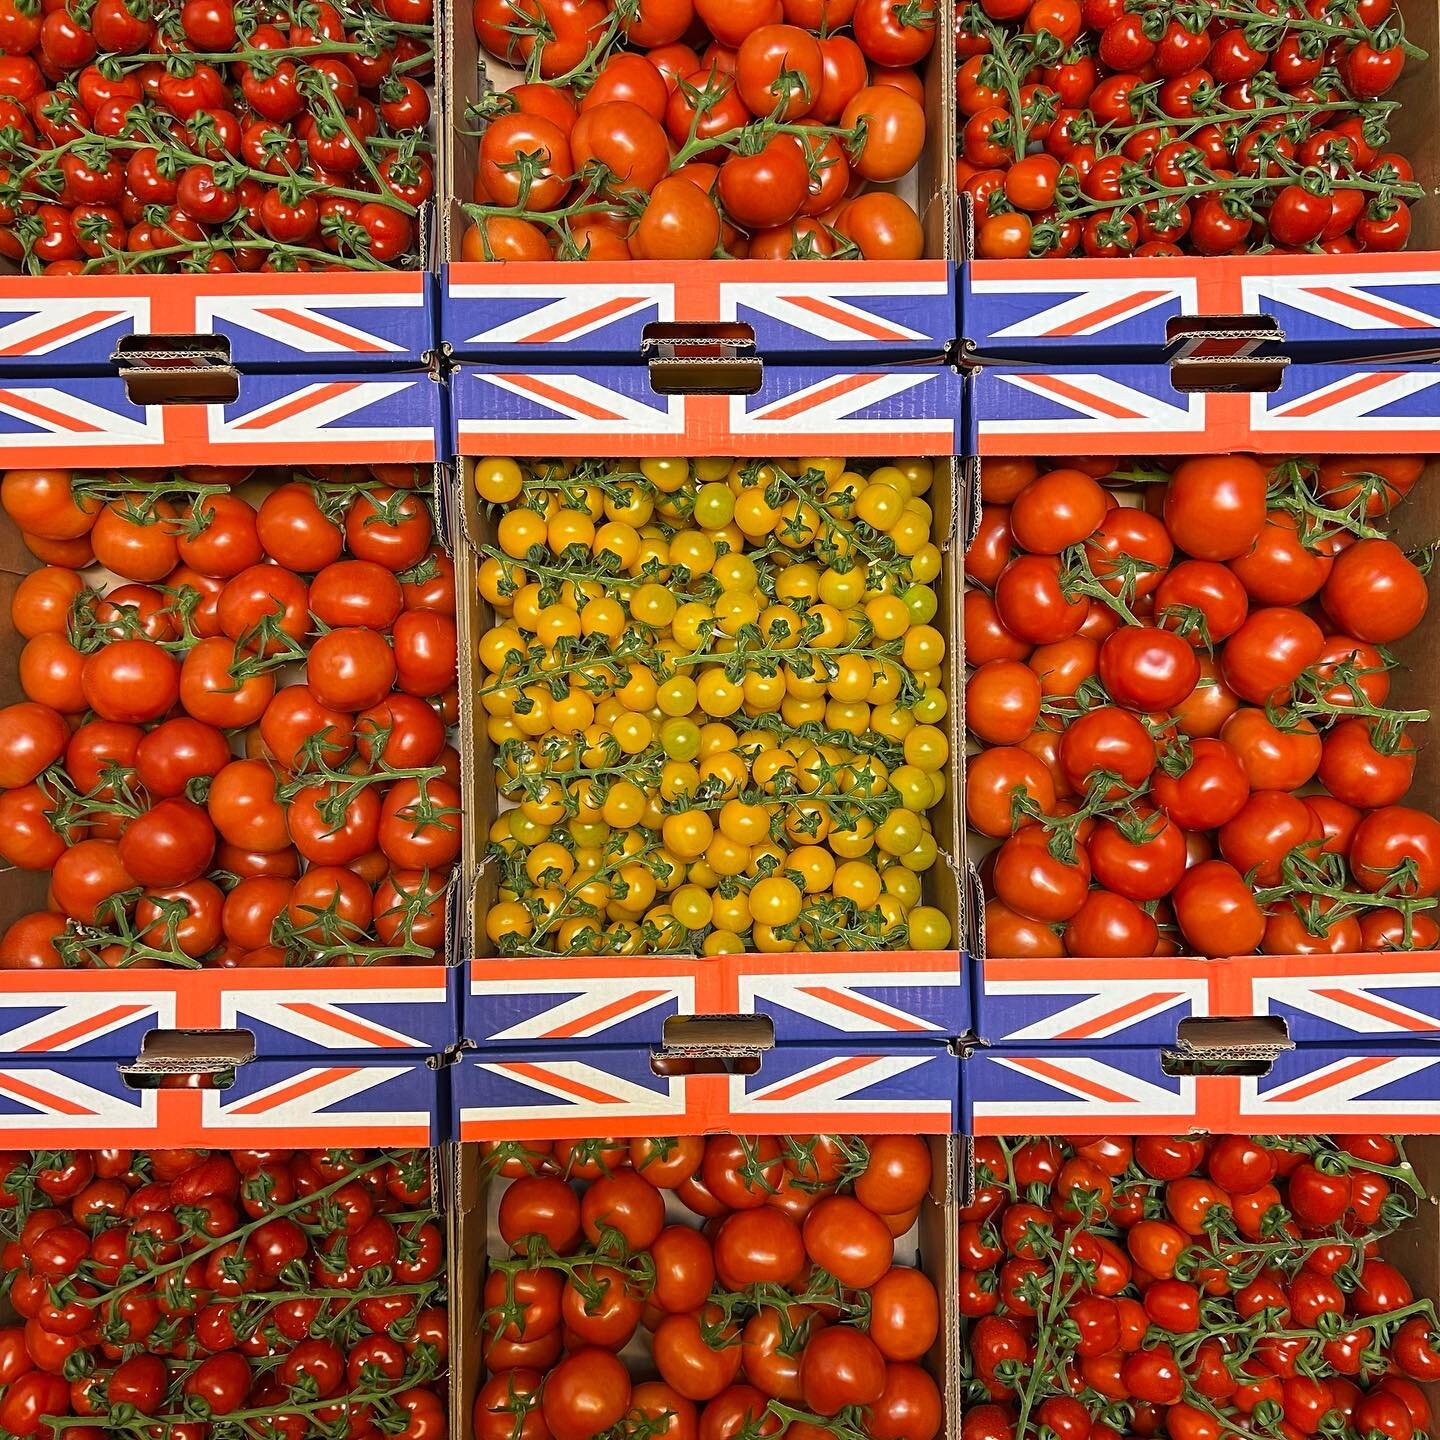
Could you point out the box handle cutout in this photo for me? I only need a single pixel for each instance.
(1220, 337)
(1226, 1045)
(753, 1032)
(170, 352)
(693, 375)
(220, 1078)
(705, 339)
(184, 1059)
(177, 369)
(1225, 1032)
(1245, 375)
(671, 1063)
(1190, 1062)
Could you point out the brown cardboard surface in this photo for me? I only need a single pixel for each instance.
(932, 1242)
(944, 883)
(467, 72)
(1414, 132)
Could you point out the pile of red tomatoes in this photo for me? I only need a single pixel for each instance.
(234, 747)
(1136, 127)
(283, 1293)
(759, 1274)
(1193, 1288)
(1190, 745)
(213, 137)
(672, 130)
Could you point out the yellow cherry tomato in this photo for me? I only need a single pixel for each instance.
(687, 834)
(879, 506)
(857, 882)
(498, 479)
(520, 531)
(929, 928)
(926, 747)
(775, 900)
(692, 906)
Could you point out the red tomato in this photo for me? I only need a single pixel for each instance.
(1216, 910)
(1215, 506)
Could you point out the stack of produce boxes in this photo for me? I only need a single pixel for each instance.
(229, 807)
(707, 1091)
(1201, 815)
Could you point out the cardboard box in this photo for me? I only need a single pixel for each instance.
(279, 322)
(1221, 1085)
(784, 311)
(636, 1091)
(111, 1290)
(1310, 306)
(317, 1100)
(309, 1053)
(472, 1239)
(75, 324)
(1345, 1005)
(1411, 1248)
(705, 408)
(846, 997)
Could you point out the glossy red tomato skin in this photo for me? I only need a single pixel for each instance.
(1147, 669)
(1264, 657)
(1031, 604)
(1216, 910)
(841, 1367)
(1397, 844)
(1375, 592)
(1037, 883)
(1145, 864)
(1060, 508)
(1215, 506)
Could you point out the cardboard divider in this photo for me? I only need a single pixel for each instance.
(879, 309)
(1079, 1040)
(473, 1239)
(839, 996)
(583, 410)
(1320, 306)
(318, 1101)
(292, 418)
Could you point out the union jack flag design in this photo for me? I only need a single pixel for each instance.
(1316, 1089)
(1135, 409)
(914, 995)
(884, 310)
(272, 1102)
(616, 411)
(91, 1014)
(277, 419)
(905, 1089)
(72, 323)
(1332, 998)
(1338, 305)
